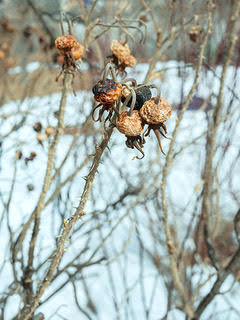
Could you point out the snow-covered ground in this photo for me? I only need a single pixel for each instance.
(182, 189)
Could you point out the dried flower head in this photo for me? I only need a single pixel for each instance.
(155, 113)
(65, 43)
(107, 92)
(130, 125)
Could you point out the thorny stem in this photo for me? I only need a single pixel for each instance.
(171, 247)
(48, 175)
(28, 311)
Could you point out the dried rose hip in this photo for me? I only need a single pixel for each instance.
(130, 125)
(65, 43)
(107, 92)
(155, 113)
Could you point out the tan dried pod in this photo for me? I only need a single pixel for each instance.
(107, 92)
(77, 51)
(130, 125)
(120, 50)
(65, 43)
(155, 113)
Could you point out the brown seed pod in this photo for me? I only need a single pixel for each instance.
(107, 92)
(120, 50)
(154, 113)
(77, 51)
(65, 43)
(130, 125)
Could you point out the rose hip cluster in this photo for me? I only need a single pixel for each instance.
(133, 104)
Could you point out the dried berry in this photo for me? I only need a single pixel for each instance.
(143, 94)
(107, 92)
(154, 113)
(130, 125)
(194, 33)
(37, 126)
(65, 43)
(50, 131)
(122, 52)
(77, 51)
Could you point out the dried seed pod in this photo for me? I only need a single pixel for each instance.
(65, 43)
(154, 113)
(194, 33)
(129, 61)
(50, 131)
(143, 94)
(130, 125)
(107, 92)
(77, 51)
(120, 50)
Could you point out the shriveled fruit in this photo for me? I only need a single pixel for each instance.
(65, 43)
(77, 51)
(107, 92)
(120, 50)
(155, 113)
(130, 125)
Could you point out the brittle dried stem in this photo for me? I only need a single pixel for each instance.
(206, 204)
(171, 247)
(28, 311)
